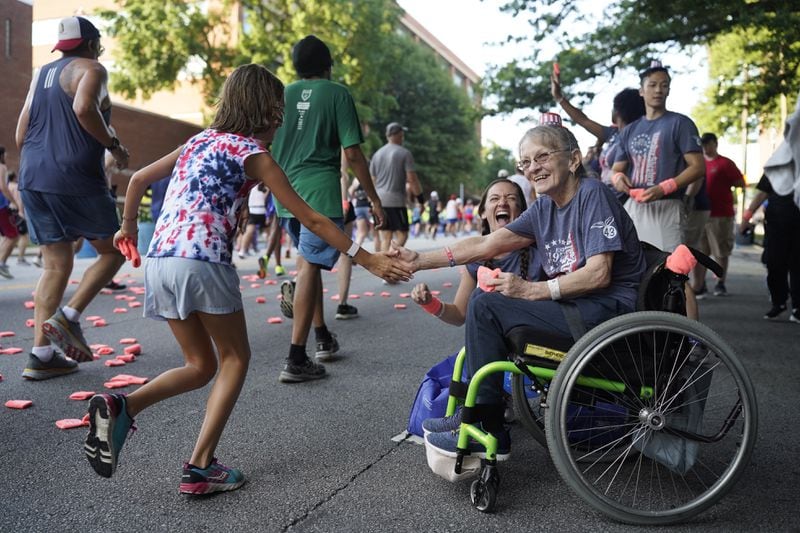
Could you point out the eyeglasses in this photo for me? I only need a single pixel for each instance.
(540, 159)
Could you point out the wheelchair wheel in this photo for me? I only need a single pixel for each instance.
(651, 418)
(529, 410)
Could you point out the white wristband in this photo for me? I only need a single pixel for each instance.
(353, 250)
(555, 289)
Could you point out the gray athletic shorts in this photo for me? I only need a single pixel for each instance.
(175, 287)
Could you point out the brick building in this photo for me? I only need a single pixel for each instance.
(15, 64)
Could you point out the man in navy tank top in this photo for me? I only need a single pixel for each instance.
(63, 132)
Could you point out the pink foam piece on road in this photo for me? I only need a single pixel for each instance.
(7, 333)
(354, 296)
(133, 349)
(92, 318)
(120, 310)
(29, 323)
(335, 297)
(369, 293)
(436, 293)
(81, 395)
(404, 294)
(85, 418)
(99, 323)
(127, 358)
(128, 340)
(105, 350)
(324, 291)
(447, 284)
(261, 300)
(137, 290)
(71, 423)
(114, 362)
(255, 285)
(29, 304)
(131, 298)
(270, 282)
(134, 305)
(400, 306)
(96, 347)
(11, 351)
(293, 273)
(274, 320)
(121, 297)
(115, 384)
(106, 291)
(386, 294)
(18, 404)
(130, 378)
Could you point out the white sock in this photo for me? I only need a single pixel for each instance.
(73, 315)
(43, 353)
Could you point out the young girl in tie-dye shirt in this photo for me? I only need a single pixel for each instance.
(189, 279)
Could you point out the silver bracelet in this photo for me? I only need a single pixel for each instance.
(555, 289)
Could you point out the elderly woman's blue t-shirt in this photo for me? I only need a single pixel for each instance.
(592, 223)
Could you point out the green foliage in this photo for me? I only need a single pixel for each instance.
(391, 77)
(495, 158)
(631, 32)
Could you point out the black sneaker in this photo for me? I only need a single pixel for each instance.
(59, 365)
(720, 290)
(346, 312)
(114, 286)
(326, 348)
(308, 371)
(775, 312)
(795, 316)
(287, 302)
(702, 293)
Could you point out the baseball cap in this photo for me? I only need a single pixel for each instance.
(395, 127)
(73, 31)
(311, 56)
(550, 119)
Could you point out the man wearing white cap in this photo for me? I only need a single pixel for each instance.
(63, 132)
(391, 168)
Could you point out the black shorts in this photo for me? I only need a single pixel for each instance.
(396, 219)
(257, 220)
(350, 216)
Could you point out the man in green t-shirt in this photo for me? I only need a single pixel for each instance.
(320, 121)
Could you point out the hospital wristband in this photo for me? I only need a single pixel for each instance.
(668, 186)
(434, 307)
(450, 259)
(555, 289)
(353, 250)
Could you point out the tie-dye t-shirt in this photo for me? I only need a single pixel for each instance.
(207, 188)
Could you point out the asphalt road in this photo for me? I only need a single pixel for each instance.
(319, 456)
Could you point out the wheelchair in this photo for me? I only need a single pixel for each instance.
(649, 417)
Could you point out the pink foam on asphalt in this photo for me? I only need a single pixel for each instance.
(120, 297)
(134, 305)
(369, 293)
(114, 362)
(115, 384)
(127, 340)
(400, 306)
(18, 404)
(255, 285)
(120, 310)
(71, 423)
(261, 300)
(11, 351)
(386, 294)
(105, 350)
(404, 294)
(270, 282)
(354, 296)
(81, 395)
(92, 318)
(106, 291)
(447, 284)
(274, 320)
(335, 297)
(436, 293)
(29, 304)
(133, 349)
(130, 378)
(29, 323)
(127, 358)
(7, 334)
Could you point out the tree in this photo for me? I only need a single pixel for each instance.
(634, 31)
(391, 77)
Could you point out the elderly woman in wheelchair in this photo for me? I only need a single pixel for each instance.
(632, 395)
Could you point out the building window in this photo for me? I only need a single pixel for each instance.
(8, 38)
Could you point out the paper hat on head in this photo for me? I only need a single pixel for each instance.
(73, 31)
(550, 119)
(394, 127)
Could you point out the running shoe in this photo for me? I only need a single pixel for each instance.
(22, 261)
(446, 423)
(795, 316)
(263, 261)
(279, 270)
(701, 294)
(326, 348)
(36, 370)
(67, 335)
(720, 290)
(5, 272)
(775, 312)
(109, 425)
(308, 371)
(215, 478)
(446, 442)
(287, 302)
(346, 312)
(114, 286)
